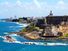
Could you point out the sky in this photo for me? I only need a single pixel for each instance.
(36, 8)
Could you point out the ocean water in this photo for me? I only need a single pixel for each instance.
(6, 27)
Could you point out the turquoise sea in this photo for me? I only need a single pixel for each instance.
(6, 27)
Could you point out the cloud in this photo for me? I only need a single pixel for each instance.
(61, 5)
(61, 2)
(18, 3)
(37, 3)
(5, 4)
(35, 7)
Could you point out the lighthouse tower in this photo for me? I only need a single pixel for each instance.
(51, 14)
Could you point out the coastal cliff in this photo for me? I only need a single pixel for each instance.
(34, 33)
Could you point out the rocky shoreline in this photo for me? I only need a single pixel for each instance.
(37, 37)
(51, 32)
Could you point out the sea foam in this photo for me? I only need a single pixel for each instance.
(6, 33)
(13, 35)
(30, 43)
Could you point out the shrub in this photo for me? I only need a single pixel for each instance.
(24, 30)
(66, 35)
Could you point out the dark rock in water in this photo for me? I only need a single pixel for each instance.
(8, 37)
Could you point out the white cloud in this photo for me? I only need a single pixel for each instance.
(18, 3)
(61, 5)
(61, 2)
(32, 7)
(37, 3)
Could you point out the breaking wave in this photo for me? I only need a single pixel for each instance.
(22, 25)
(13, 35)
(6, 33)
(38, 43)
(33, 43)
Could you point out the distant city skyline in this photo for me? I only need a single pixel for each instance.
(29, 8)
